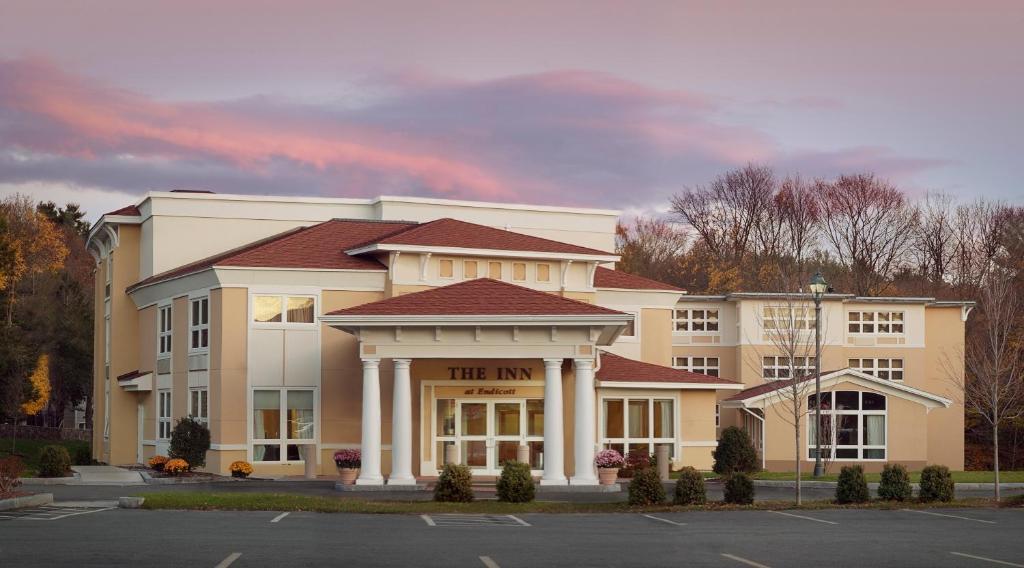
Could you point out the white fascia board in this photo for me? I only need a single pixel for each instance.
(218, 269)
(489, 205)
(482, 320)
(112, 220)
(667, 386)
(494, 253)
(861, 379)
(142, 383)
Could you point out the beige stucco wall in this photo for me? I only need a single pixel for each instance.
(944, 369)
(697, 424)
(656, 336)
(228, 366)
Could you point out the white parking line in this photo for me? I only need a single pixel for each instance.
(992, 560)
(744, 561)
(803, 517)
(665, 521)
(518, 520)
(950, 516)
(229, 560)
(488, 562)
(279, 517)
(430, 522)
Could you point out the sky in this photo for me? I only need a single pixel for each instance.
(593, 103)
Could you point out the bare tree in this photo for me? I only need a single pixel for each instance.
(798, 210)
(933, 245)
(652, 247)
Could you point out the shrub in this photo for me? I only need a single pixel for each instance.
(852, 486)
(646, 488)
(735, 453)
(176, 466)
(348, 458)
(190, 441)
(82, 455)
(936, 484)
(739, 489)
(10, 470)
(455, 484)
(54, 461)
(157, 462)
(515, 484)
(241, 469)
(635, 461)
(895, 483)
(690, 487)
(608, 459)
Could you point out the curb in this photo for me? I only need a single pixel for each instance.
(74, 479)
(832, 485)
(26, 501)
(150, 480)
(380, 488)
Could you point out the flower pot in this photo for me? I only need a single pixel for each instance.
(607, 475)
(348, 475)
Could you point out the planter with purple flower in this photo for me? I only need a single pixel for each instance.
(348, 462)
(608, 463)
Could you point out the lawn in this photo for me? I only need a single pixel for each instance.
(915, 476)
(29, 451)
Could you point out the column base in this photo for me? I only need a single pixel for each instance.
(410, 480)
(555, 481)
(370, 481)
(583, 481)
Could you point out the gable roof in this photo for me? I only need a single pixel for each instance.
(127, 211)
(616, 370)
(317, 247)
(452, 233)
(760, 393)
(480, 297)
(608, 278)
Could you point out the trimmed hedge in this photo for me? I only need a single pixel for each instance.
(895, 483)
(516, 484)
(455, 484)
(739, 489)
(690, 488)
(190, 441)
(645, 488)
(936, 484)
(54, 461)
(735, 453)
(852, 486)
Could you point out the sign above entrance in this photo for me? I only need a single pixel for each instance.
(480, 373)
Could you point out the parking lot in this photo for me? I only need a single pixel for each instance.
(118, 537)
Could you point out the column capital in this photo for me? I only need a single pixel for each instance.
(553, 362)
(371, 363)
(402, 363)
(584, 364)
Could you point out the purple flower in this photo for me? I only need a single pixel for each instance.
(350, 458)
(608, 459)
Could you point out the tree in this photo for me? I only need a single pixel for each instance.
(36, 244)
(652, 247)
(36, 394)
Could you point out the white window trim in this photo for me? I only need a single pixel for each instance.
(651, 440)
(526, 269)
(687, 364)
(204, 393)
(536, 269)
(162, 333)
(465, 276)
(160, 417)
(283, 442)
(782, 363)
(861, 430)
(194, 326)
(441, 261)
(687, 316)
(284, 323)
(875, 321)
(873, 371)
(802, 322)
(635, 338)
(501, 269)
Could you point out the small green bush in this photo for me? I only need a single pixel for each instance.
(515, 484)
(190, 441)
(852, 486)
(645, 488)
(455, 484)
(54, 461)
(735, 453)
(739, 489)
(690, 488)
(936, 484)
(83, 455)
(895, 483)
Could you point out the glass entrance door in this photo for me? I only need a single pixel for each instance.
(472, 435)
(489, 433)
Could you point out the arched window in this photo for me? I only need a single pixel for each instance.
(853, 426)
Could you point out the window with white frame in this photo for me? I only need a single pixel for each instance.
(163, 414)
(109, 262)
(783, 318)
(283, 309)
(695, 319)
(163, 342)
(543, 273)
(780, 367)
(718, 415)
(703, 365)
(638, 423)
(853, 426)
(884, 368)
(875, 322)
(199, 404)
(284, 424)
(199, 324)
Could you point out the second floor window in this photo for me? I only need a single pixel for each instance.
(696, 319)
(888, 369)
(775, 368)
(164, 331)
(199, 324)
(883, 323)
(703, 365)
(283, 309)
(784, 318)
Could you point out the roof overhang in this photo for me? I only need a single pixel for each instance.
(496, 253)
(667, 385)
(136, 382)
(475, 320)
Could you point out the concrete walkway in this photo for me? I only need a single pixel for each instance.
(106, 475)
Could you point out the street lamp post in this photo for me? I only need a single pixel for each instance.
(818, 288)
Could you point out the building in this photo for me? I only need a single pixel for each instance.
(404, 326)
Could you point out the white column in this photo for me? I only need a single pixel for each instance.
(369, 472)
(585, 437)
(554, 468)
(401, 427)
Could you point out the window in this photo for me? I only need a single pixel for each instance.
(699, 319)
(199, 324)
(779, 367)
(494, 270)
(638, 424)
(469, 269)
(283, 309)
(630, 330)
(543, 273)
(519, 271)
(108, 276)
(164, 332)
(282, 436)
(880, 323)
(888, 369)
(199, 405)
(718, 415)
(446, 268)
(703, 365)
(784, 318)
(163, 413)
(852, 425)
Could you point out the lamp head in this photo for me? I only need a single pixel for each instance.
(818, 285)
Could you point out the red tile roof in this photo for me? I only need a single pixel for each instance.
(482, 296)
(460, 234)
(620, 369)
(608, 278)
(772, 386)
(128, 211)
(320, 246)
